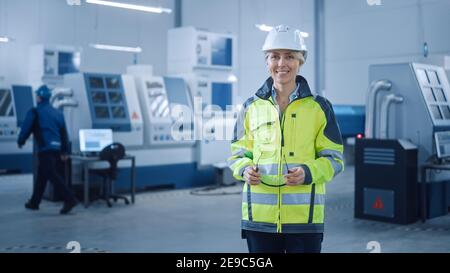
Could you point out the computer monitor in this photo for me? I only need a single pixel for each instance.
(94, 140)
(442, 144)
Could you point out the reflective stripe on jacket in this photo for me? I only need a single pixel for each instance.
(306, 135)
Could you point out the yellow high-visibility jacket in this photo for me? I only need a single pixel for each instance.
(306, 135)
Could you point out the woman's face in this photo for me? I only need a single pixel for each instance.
(283, 66)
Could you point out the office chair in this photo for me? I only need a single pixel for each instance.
(111, 153)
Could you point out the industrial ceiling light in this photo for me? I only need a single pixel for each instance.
(4, 39)
(73, 2)
(117, 48)
(129, 6)
(232, 78)
(264, 27)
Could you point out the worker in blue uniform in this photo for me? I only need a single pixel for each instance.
(49, 130)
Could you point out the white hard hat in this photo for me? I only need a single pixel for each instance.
(282, 37)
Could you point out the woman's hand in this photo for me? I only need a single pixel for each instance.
(252, 176)
(295, 176)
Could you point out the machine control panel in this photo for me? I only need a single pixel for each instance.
(159, 96)
(442, 140)
(6, 130)
(162, 133)
(190, 48)
(49, 63)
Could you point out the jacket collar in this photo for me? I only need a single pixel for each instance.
(44, 102)
(302, 92)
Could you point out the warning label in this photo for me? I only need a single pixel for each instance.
(379, 202)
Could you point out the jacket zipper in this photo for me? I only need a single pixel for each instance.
(279, 162)
(280, 167)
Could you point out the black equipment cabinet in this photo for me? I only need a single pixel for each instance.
(386, 186)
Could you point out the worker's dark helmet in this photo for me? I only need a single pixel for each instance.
(44, 92)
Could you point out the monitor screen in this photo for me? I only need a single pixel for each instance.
(94, 140)
(221, 51)
(68, 62)
(221, 94)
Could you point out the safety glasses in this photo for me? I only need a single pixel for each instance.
(267, 184)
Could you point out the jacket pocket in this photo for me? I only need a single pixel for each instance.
(293, 136)
(265, 136)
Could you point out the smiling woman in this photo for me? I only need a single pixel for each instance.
(284, 194)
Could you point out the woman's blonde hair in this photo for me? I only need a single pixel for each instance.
(298, 55)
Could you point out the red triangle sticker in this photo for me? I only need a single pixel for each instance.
(135, 116)
(378, 203)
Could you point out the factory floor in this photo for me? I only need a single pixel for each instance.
(177, 221)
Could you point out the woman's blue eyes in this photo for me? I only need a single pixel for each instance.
(278, 57)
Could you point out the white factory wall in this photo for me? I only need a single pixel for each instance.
(358, 35)
(31, 22)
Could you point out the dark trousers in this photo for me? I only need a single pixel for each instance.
(48, 170)
(264, 242)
